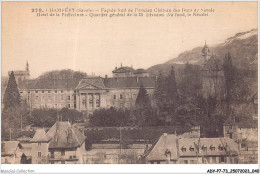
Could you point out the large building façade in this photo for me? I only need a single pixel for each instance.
(89, 93)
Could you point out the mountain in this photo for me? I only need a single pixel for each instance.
(242, 46)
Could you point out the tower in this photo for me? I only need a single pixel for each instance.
(27, 66)
(205, 53)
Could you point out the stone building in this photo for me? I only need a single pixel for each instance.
(120, 92)
(212, 75)
(11, 152)
(172, 149)
(90, 93)
(21, 75)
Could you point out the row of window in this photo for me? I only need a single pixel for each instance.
(50, 98)
(49, 91)
(204, 148)
(54, 106)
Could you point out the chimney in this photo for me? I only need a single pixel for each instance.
(156, 78)
(116, 68)
(164, 134)
(106, 76)
(137, 79)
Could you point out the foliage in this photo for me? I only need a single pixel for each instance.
(167, 97)
(110, 117)
(43, 117)
(143, 113)
(71, 115)
(63, 74)
(11, 96)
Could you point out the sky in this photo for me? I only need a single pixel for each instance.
(100, 44)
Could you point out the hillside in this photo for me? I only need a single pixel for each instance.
(242, 46)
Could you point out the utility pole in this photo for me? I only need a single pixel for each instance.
(10, 136)
(21, 122)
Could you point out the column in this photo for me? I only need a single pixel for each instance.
(94, 100)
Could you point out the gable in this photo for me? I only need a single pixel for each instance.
(89, 86)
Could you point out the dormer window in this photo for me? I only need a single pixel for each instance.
(204, 148)
(212, 148)
(167, 153)
(220, 147)
(191, 148)
(183, 149)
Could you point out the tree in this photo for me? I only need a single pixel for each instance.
(11, 96)
(71, 115)
(166, 96)
(229, 74)
(43, 117)
(143, 112)
(110, 117)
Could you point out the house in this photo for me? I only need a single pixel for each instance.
(175, 149)
(66, 144)
(89, 93)
(11, 152)
(39, 147)
(165, 150)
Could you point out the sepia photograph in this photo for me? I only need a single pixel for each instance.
(129, 83)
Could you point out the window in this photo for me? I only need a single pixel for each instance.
(61, 97)
(36, 91)
(98, 100)
(62, 162)
(56, 105)
(36, 97)
(52, 154)
(56, 91)
(56, 97)
(158, 162)
(68, 105)
(39, 162)
(90, 100)
(183, 149)
(21, 92)
(191, 149)
(114, 96)
(212, 148)
(214, 160)
(62, 152)
(68, 97)
(49, 97)
(42, 91)
(52, 162)
(49, 91)
(28, 92)
(192, 162)
(121, 96)
(39, 154)
(220, 147)
(75, 105)
(204, 148)
(61, 91)
(221, 159)
(185, 161)
(39, 144)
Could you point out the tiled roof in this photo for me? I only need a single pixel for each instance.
(63, 135)
(65, 84)
(40, 136)
(187, 146)
(130, 82)
(9, 147)
(165, 143)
